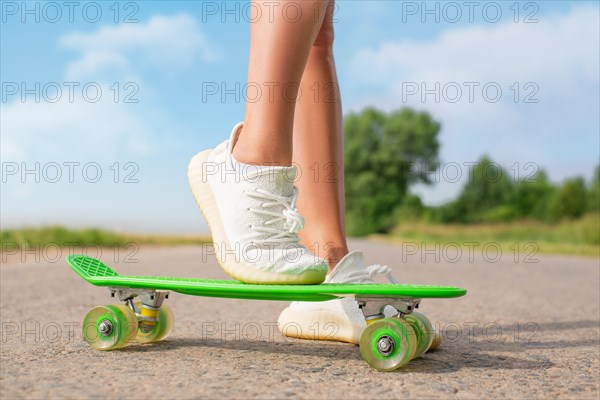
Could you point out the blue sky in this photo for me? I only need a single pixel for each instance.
(543, 56)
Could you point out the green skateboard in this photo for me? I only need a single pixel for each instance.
(144, 317)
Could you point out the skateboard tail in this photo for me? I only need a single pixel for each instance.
(89, 268)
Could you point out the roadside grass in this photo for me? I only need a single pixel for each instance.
(577, 237)
(36, 238)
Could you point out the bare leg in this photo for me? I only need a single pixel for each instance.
(280, 43)
(317, 149)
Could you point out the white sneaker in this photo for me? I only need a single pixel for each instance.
(339, 319)
(251, 211)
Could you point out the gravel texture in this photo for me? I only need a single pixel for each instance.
(525, 330)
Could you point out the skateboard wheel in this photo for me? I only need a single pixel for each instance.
(412, 337)
(387, 344)
(163, 327)
(436, 340)
(109, 327)
(423, 331)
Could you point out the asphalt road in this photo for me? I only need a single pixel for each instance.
(528, 328)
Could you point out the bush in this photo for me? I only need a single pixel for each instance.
(504, 213)
(532, 197)
(411, 209)
(570, 201)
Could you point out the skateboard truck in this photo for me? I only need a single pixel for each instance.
(372, 307)
(147, 312)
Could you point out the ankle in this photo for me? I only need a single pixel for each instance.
(258, 156)
(251, 149)
(331, 251)
(334, 255)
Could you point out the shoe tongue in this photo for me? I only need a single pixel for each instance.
(274, 179)
(352, 262)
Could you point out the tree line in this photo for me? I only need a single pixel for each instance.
(379, 146)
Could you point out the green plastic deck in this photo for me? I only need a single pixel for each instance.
(97, 273)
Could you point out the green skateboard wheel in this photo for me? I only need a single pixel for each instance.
(109, 327)
(423, 331)
(437, 340)
(387, 344)
(162, 329)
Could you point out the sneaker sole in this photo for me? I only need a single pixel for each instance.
(317, 325)
(236, 269)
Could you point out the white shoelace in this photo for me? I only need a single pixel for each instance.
(368, 274)
(292, 220)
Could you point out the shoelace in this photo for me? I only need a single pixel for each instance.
(367, 275)
(292, 220)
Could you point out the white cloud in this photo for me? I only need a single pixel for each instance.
(78, 127)
(502, 52)
(67, 130)
(560, 55)
(168, 43)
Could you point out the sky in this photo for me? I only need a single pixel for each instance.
(104, 103)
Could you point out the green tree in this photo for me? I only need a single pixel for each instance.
(487, 194)
(384, 154)
(411, 209)
(569, 201)
(533, 195)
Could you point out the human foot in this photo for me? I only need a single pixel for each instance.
(341, 319)
(251, 211)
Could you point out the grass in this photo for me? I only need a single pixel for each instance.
(578, 237)
(35, 238)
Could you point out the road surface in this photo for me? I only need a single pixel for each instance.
(528, 328)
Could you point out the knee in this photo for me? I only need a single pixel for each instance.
(324, 40)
